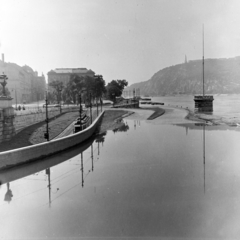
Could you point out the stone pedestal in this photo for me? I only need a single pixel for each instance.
(7, 128)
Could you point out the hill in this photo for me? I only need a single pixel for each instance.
(221, 76)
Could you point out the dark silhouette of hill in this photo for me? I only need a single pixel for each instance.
(221, 76)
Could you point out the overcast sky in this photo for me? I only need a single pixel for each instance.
(120, 39)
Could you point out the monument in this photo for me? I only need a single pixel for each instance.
(7, 128)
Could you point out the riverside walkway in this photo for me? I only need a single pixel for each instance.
(62, 125)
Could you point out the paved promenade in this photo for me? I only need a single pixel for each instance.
(35, 133)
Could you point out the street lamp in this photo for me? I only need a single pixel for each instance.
(59, 89)
(3, 82)
(46, 134)
(80, 105)
(97, 77)
(91, 106)
(113, 94)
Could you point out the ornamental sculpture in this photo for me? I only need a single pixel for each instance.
(3, 82)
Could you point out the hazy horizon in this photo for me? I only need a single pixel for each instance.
(121, 39)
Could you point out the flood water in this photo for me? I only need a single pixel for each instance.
(146, 180)
(224, 105)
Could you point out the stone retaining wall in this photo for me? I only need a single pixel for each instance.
(23, 120)
(31, 153)
(7, 128)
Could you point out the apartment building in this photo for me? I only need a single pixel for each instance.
(23, 84)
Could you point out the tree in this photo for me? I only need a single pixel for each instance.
(89, 87)
(99, 86)
(73, 88)
(94, 86)
(115, 89)
(58, 87)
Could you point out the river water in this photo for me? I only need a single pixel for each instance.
(145, 180)
(224, 105)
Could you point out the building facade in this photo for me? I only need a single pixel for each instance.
(63, 74)
(23, 84)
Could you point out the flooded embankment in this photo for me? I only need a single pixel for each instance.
(148, 179)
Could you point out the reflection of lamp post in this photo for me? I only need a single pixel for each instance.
(82, 168)
(3, 82)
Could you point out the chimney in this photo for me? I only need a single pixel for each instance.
(3, 57)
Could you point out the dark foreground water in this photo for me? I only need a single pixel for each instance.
(145, 181)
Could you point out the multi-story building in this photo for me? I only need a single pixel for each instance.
(63, 74)
(23, 84)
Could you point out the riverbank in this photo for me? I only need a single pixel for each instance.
(34, 134)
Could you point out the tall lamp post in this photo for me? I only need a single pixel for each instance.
(91, 106)
(46, 134)
(3, 82)
(113, 94)
(80, 104)
(97, 77)
(59, 89)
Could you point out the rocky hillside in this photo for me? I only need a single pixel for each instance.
(221, 76)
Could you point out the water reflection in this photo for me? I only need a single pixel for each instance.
(204, 162)
(137, 123)
(8, 196)
(85, 175)
(154, 182)
(51, 162)
(197, 126)
(82, 170)
(21, 171)
(123, 128)
(17, 172)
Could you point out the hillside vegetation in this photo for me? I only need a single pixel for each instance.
(221, 76)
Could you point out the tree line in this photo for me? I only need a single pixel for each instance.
(90, 89)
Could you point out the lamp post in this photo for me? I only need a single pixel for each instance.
(113, 94)
(46, 134)
(59, 89)
(80, 104)
(96, 78)
(3, 82)
(101, 102)
(91, 106)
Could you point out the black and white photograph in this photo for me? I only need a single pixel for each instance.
(120, 119)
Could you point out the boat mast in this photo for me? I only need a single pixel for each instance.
(203, 57)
